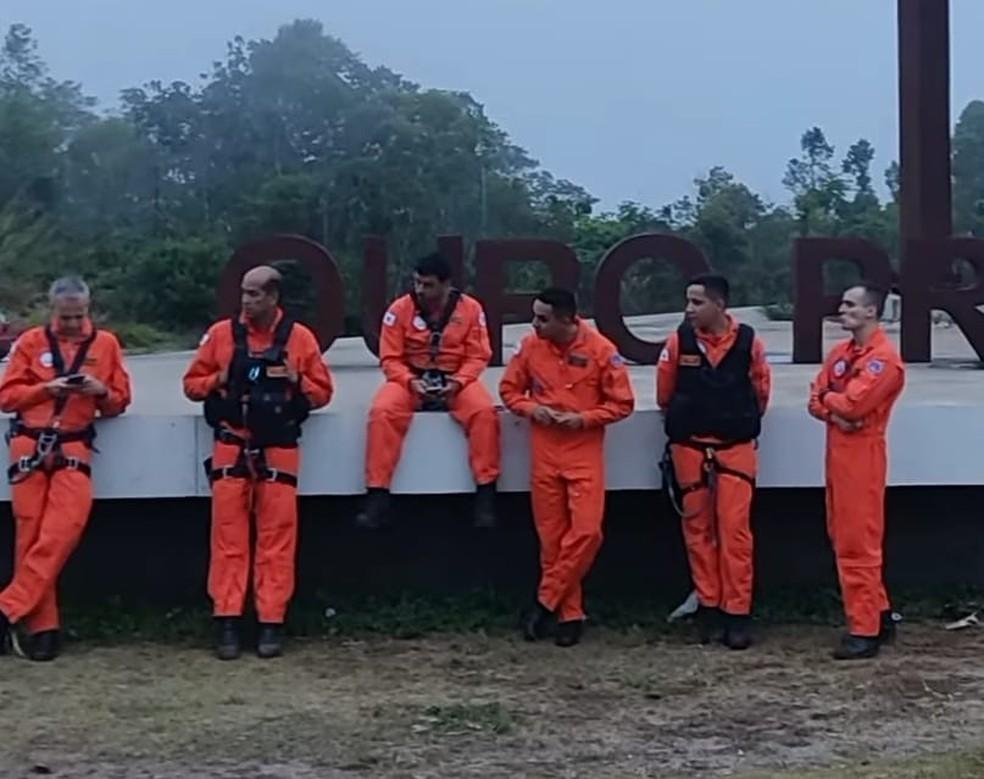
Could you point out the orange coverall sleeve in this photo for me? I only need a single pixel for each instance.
(666, 371)
(391, 355)
(866, 390)
(820, 385)
(18, 390)
(119, 393)
(315, 378)
(616, 389)
(515, 384)
(204, 373)
(761, 375)
(479, 350)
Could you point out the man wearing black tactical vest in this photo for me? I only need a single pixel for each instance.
(259, 376)
(713, 385)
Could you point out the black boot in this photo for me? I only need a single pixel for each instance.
(44, 646)
(4, 634)
(536, 622)
(737, 631)
(889, 627)
(485, 507)
(376, 511)
(227, 638)
(857, 648)
(270, 642)
(569, 633)
(710, 626)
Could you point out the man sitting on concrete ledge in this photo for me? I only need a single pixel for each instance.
(433, 347)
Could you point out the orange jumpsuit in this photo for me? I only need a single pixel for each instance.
(717, 527)
(234, 499)
(51, 510)
(588, 377)
(859, 384)
(405, 351)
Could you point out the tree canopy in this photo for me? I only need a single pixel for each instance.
(298, 134)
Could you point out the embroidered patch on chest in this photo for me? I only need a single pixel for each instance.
(577, 360)
(47, 360)
(840, 368)
(690, 361)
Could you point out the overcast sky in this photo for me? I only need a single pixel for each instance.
(629, 98)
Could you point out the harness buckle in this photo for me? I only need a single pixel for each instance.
(46, 443)
(272, 474)
(25, 464)
(72, 463)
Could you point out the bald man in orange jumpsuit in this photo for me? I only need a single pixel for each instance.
(854, 394)
(713, 384)
(570, 381)
(259, 375)
(434, 346)
(60, 379)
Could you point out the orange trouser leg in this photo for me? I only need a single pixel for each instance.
(699, 526)
(228, 570)
(389, 419)
(64, 514)
(856, 522)
(733, 503)
(276, 539)
(568, 512)
(474, 410)
(28, 499)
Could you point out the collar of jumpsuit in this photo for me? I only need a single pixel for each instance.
(253, 331)
(877, 339)
(718, 343)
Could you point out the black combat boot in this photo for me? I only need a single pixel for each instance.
(857, 648)
(536, 622)
(4, 634)
(376, 511)
(270, 642)
(569, 633)
(889, 627)
(737, 631)
(227, 638)
(710, 625)
(44, 646)
(485, 507)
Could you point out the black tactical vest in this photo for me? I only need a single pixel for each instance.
(259, 396)
(714, 402)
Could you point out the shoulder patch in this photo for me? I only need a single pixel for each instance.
(389, 318)
(840, 368)
(47, 360)
(617, 361)
(664, 355)
(205, 338)
(875, 366)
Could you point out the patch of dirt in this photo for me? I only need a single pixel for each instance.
(476, 706)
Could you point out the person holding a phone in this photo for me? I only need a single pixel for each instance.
(433, 348)
(60, 378)
(571, 382)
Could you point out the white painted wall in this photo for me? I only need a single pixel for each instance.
(161, 456)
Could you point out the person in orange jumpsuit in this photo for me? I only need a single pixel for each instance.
(259, 375)
(854, 394)
(60, 378)
(713, 384)
(433, 347)
(570, 381)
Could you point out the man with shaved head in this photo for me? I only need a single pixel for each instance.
(61, 377)
(259, 375)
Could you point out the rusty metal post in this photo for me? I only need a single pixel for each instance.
(924, 142)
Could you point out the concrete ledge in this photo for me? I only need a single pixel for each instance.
(161, 456)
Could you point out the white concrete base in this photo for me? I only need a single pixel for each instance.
(161, 456)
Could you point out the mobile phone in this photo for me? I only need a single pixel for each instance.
(75, 379)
